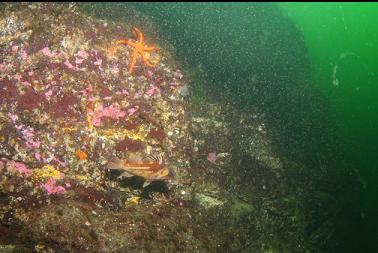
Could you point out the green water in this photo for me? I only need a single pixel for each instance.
(342, 41)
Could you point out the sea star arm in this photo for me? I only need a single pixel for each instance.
(139, 34)
(130, 43)
(149, 49)
(145, 60)
(133, 61)
(122, 42)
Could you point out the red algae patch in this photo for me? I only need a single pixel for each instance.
(129, 145)
(64, 106)
(157, 134)
(30, 100)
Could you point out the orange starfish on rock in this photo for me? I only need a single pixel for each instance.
(139, 49)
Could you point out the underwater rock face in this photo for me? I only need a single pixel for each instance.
(68, 104)
(67, 90)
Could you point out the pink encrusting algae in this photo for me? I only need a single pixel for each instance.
(212, 157)
(48, 93)
(23, 54)
(152, 90)
(46, 51)
(79, 60)
(29, 136)
(14, 48)
(68, 64)
(132, 110)
(98, 63)
(114, 70)
(21, 168)
(37, 156)
(82, 54)
(112, 111)
(51, 187)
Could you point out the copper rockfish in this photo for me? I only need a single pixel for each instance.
(151, 168)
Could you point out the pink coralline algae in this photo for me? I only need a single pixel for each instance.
(29, 136)
(150, 73)
(26, 84)
(23, 54)
(48, 94)
(22, 169)
(152, 90)
(19, 127)
(51, 187)
(13, 117)
(91, 99)
(46, 51)
(212, 157)
(132, 110)
(98, 63)
(138, 94)
(79, 60)
(69, 65)
(114, 70)
(61, 163)
(82, 54)
(112, 111)
(37, 156)
(17, 77)
(2, 67)
(14, 48)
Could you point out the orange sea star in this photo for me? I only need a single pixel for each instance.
(139, 49)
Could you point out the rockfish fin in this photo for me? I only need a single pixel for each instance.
(146, 183)
(115, 164)
(125, 174)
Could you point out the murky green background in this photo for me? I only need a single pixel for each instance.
(343, 38)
